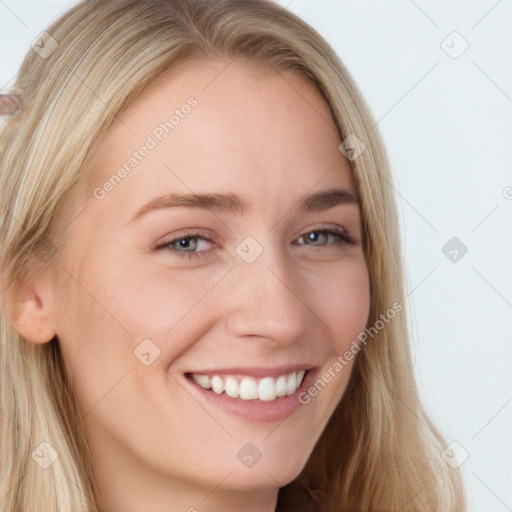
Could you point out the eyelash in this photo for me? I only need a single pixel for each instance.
(340, 235)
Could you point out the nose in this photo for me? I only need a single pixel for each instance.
(266, 300)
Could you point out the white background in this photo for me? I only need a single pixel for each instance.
(447, 124)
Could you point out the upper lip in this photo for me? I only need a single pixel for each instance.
(259, 371)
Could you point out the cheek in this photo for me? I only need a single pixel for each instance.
(160, 295)
(342, 301)
(96, 342)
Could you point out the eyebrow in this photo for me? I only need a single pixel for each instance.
(229, 202)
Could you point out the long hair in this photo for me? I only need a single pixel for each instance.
(380, 451)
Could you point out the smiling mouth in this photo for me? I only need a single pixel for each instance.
(243, 387)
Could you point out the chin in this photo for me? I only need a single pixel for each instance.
(275, 471)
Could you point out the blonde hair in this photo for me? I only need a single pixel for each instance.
(380, 450)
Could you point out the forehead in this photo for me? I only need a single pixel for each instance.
(212, 124)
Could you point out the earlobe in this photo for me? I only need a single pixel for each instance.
(32, 315)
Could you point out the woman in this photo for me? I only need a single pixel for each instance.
(202, 302)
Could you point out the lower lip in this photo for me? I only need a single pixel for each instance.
(258, 411)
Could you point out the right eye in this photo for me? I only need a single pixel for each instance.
(185, 245)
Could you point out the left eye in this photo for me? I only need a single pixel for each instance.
(187, 245)
(318, 236)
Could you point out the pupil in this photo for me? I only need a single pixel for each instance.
(314, 236)
(185, 243)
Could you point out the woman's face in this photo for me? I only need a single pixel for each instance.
(203, 258)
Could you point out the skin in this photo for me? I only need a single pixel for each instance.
(157, 444)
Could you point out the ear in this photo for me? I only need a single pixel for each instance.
(32, 309)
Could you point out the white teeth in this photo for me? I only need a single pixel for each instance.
(202, 380)
(291, 384)
(248, 388)
(267, 389)
(281, 386)
(231, 387)
(217, 384)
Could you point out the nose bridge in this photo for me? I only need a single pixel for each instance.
(265, 302)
